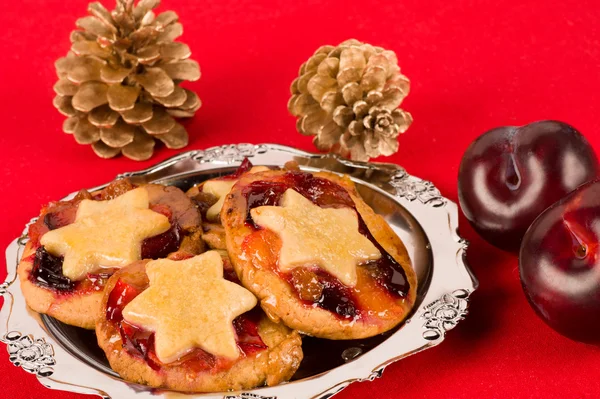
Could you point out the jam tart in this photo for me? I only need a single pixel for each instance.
(319, 259)
(208, 336)
(76, 245)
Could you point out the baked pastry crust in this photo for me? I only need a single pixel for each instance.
(76, 309)
(79, 307)
(270, 366)
(257, 270)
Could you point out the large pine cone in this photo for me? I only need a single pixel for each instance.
(119, 83)
(348, 98)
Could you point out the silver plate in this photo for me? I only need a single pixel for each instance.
(426, 221)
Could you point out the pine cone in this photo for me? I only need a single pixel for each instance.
(348, 98)
(119, 83)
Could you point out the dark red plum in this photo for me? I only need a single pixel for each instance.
(509, 175)
(560, 264)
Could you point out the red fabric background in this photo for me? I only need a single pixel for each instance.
(473, 65)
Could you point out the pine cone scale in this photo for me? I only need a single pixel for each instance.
(140, 148)
(99, 11)
(149, 54)
(85, 70)
(175, 138)
(391, 98)
(175, 99)
(143, 7)
(119, 135)
(64, 87)
(352, 92)
(183, 70)
(103, 116)
(64, 105)
(160, 123)
(192, 101)
(89, 96)
(122, 98)
(170, 33)
(319, 85)
(303, 104)
(330, 101)
(329, 136)
(112, 75)
(96, 27)
(352, 65)
(156, 82)
(87, 47)
(342, 116)
(166, 18)
(329, 67)
(104, 151)
(313, 122)
(141, 112)
(85, 132)
(313, 63)
(70, 124)
(175, 50)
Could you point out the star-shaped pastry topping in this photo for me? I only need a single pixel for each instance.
(220, 189)
(105, 234)
(190, 305)
(311, 235)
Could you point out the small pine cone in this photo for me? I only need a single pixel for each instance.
(119, 83)
(348, 98)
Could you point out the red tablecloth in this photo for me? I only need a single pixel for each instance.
(473, 65)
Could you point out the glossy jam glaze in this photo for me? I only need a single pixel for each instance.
(163, 244)
(334, 297)
(47, 272)
(139, 342)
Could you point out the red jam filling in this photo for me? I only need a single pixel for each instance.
(139, 342)
(244, 167)
(47, 272)
(334, 296)
(163, 244)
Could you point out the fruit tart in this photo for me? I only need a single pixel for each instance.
(189, 326)
(209, 197)
(318, 258)
(76, 245)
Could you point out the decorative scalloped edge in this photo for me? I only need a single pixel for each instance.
(246, 395)
(414, 189)
(444, 314)
(229, 154)
(36, 356)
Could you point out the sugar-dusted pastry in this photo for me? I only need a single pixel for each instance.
(316, 255)
(189, 326)
(76, 245)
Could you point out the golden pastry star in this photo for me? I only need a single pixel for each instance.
(105, 234)
(188, 305)
(311, 235)
(220, 188)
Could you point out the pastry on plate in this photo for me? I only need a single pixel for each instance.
(189, 326)
(76, 245)
(318, 258)
(209, 197)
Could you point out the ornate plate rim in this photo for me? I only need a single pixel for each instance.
(445, 303)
